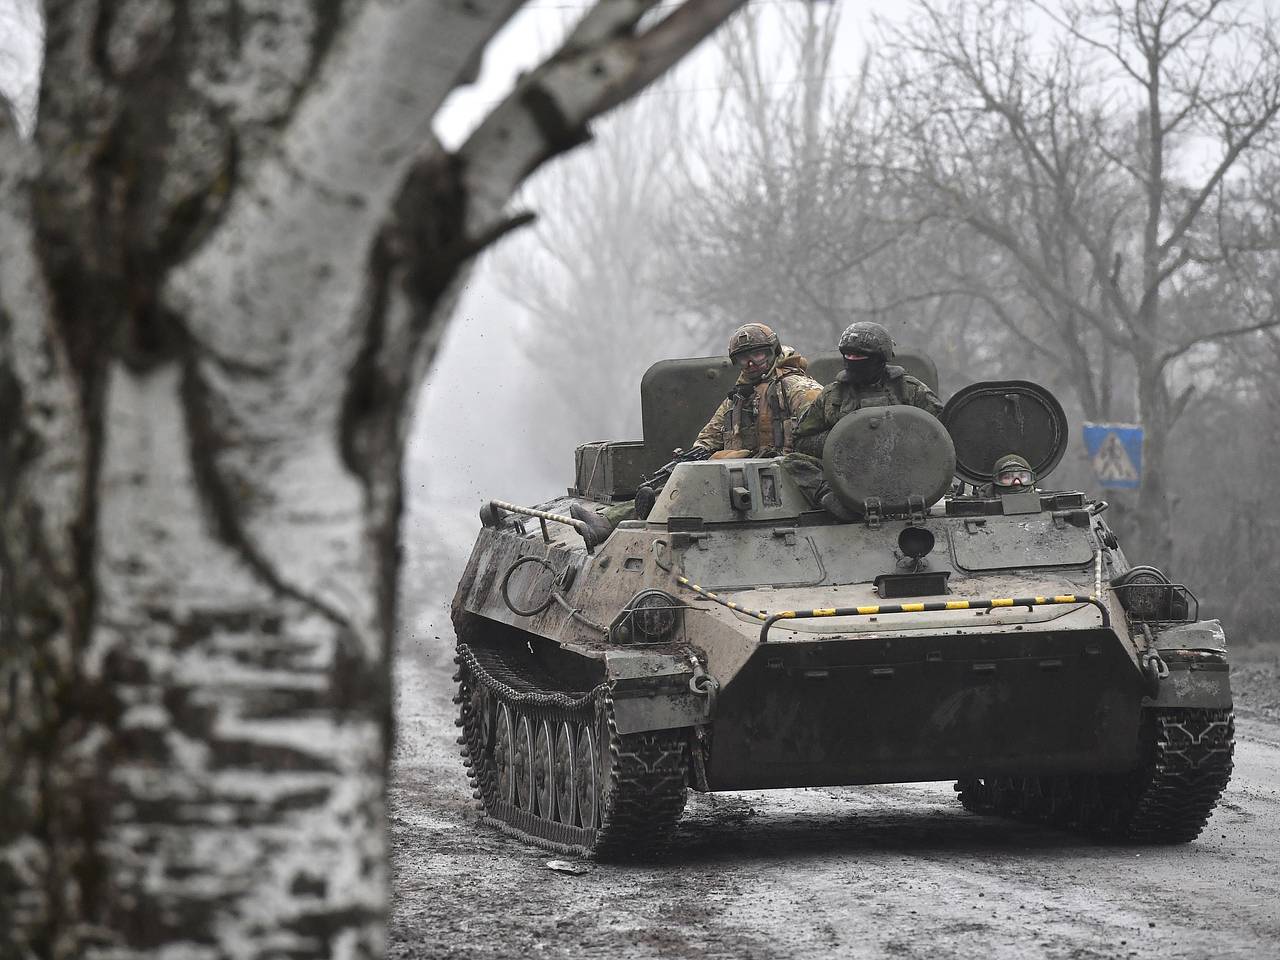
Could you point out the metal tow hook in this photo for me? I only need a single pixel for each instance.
(1155, 670)
(704, 684)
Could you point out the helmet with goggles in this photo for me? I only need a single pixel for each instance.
(751, 339)
(1012, 473)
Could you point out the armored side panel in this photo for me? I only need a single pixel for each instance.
(678, 397)
(825, 366)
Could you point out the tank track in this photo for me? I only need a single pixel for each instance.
(640, 779)
(1166, 800)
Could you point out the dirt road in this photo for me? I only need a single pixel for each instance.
(895, 871)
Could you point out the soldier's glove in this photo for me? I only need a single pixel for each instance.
(768, 453)
(812, 445)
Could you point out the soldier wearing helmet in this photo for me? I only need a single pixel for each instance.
(1012, 474)
(868, 379)
(757, 419)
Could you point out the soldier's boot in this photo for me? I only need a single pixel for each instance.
(831, 503)
(599, 526)
(646, 497)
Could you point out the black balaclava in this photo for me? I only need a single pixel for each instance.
(862, 372)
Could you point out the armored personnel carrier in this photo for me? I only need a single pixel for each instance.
(738, 639)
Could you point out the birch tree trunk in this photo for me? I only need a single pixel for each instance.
(225, 260)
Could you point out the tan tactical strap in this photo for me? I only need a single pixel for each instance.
(777, 419)
(733, 421)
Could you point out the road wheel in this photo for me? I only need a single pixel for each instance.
(562, 766)
(586, 777)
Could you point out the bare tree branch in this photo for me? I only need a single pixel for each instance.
(1228, 161)
(1169, 355)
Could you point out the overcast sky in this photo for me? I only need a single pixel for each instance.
(19, 53)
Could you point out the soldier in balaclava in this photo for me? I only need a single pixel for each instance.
(867, 380)
(757, 419)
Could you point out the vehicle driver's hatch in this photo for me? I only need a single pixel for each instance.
(993, 418)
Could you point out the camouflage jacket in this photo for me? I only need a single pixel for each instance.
(763, 415)
(841, 398)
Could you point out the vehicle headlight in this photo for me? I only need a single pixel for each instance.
(650, 617)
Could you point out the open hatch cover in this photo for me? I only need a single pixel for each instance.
(993, 418)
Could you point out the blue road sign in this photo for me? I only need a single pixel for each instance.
(1115, 450)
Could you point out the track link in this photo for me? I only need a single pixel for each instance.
(1188, 762)
(639, 782)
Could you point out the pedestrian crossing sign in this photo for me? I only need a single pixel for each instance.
(1115, 449)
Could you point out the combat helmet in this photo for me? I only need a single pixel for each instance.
(1012, 472)
(867, 338)
(753, 336)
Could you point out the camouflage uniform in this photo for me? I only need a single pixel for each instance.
(762, 416)
(752, 419)
(839, 399)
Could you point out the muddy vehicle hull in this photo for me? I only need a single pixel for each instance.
(1047, 699)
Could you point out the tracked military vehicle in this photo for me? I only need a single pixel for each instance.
(738, 639)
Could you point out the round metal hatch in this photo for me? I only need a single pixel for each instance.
(892, 453)
(996, 417)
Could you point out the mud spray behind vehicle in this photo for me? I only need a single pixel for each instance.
(737, 639)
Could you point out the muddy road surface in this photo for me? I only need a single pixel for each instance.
(893, 871)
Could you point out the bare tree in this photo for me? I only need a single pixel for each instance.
(226, 256)
(590, 273)
(1074, 163)
(1230, 449)
(768, 227)
(787, 214)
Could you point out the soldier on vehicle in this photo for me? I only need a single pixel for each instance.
(1012, 474)
(868, 380)
(757, 419)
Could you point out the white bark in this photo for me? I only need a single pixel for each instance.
(224, 263)
(231, 698)
(40, 407)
